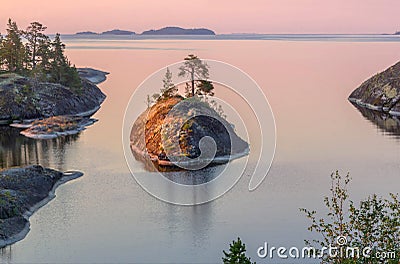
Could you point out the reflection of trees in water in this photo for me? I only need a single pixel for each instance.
(17, 150)
(388, 124)
(6, 254)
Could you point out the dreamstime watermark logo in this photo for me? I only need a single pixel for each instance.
(246, 115)
(341, 249)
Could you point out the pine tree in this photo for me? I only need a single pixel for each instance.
(44, 52)
(195, 69)
(169, 89)
(13, 51)
(58, 60)
(236, 254)
(205, 88)
(35, 37)
(61, 70)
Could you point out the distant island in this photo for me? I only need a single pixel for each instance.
(179, 31)
(397, 33)
(109, 32)
(162, 31)
(118, 32)
(86, 33)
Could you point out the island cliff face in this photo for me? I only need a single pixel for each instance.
(23, 98)
(381, 92)
(147, 135)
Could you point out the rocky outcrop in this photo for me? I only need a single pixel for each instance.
(160, 133)
(381, 92)
(23, 98)
(22, 192)
(93, 75)
(55, 126)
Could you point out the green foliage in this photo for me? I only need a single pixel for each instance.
(61, 70)
(375, 223)
(169, 89)
(236, 254)
(8, 205)
(12, 51)
(205, 88)
(36, 38)
(197, 71)
(40, 58)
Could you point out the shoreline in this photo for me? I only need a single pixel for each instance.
(20, 123)
(166, 163)
(67, 176)
(54, 134)
(91, 77)
(373, 107)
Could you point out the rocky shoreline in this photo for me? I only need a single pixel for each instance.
(31, 106)
(54, 127)
(44, 110)
(23, 192)
(93, 75)
(380, 92)
(22, 98)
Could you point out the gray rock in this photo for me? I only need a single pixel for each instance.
(381, 92)
(22, 192)
(22, 98)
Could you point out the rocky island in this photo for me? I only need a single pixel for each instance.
(49, 110)
(22, 192)
(170, 133)
(147, 136)
(24, 98)
(37, 81)
(381, 92)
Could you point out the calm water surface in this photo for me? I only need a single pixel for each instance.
(106, 217)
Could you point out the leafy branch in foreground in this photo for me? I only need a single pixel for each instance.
(375, 223)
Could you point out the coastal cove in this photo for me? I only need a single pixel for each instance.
(24, 190)
(105, 216)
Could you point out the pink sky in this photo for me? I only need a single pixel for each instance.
(223, 16)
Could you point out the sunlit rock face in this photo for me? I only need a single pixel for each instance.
(176, 127)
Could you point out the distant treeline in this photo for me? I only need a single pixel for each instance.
(161, 31)
(32, 53)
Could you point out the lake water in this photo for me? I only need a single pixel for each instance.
(106, 217)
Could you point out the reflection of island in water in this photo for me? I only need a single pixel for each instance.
(386, 123)
(17, 150)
